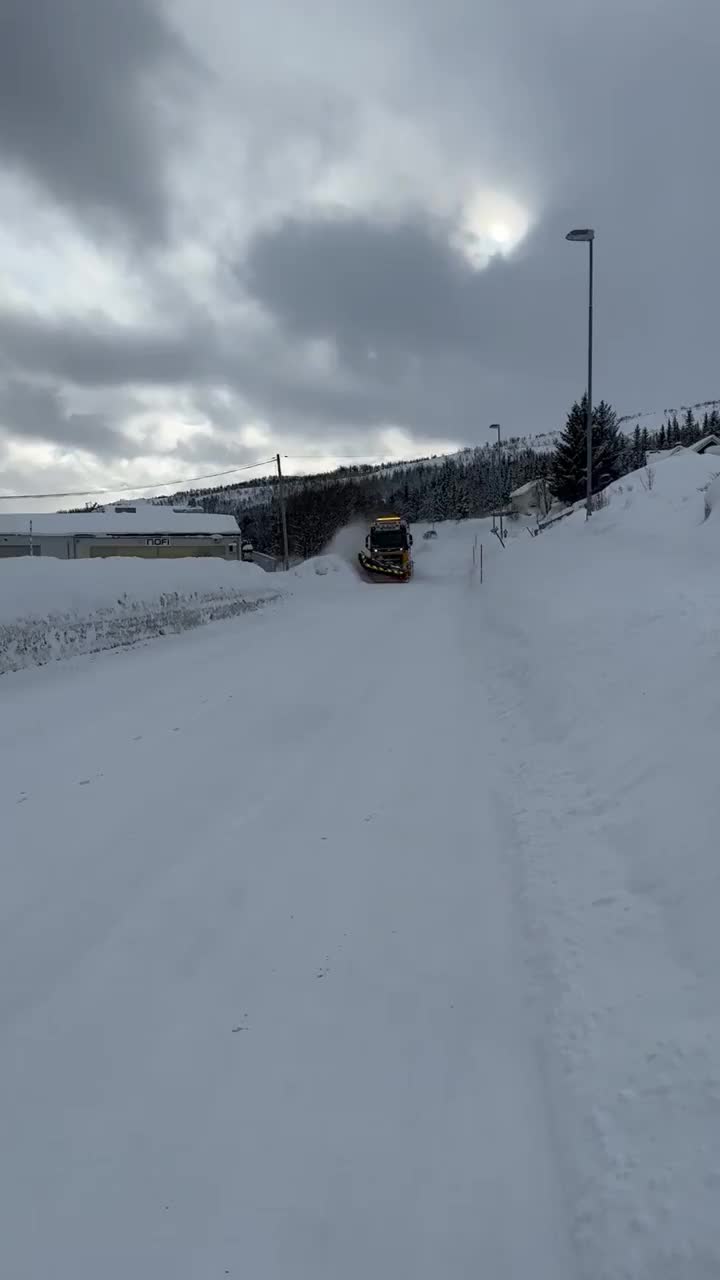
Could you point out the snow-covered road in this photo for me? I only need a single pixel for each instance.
(375, 933)
(264, 1006)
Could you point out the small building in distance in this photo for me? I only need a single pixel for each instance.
(147, 530)
(708, 444)
(531, 498)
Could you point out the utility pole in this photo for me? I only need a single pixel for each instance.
(588, 501)
(283, 515)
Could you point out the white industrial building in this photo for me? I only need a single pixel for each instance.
(144, 529)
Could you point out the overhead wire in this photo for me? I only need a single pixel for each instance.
(135, 488)
(185, 481)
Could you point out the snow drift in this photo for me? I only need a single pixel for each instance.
(601, 644)
(56, 608)
(321, 566)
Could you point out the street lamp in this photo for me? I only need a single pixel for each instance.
(495, 426)
(586, 235)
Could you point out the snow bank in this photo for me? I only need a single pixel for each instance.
(659, 501)
(602, 643)
(320, 566)
(56, 608)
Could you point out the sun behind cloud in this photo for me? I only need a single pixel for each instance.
(491, 222)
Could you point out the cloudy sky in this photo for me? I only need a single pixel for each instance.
(336, 228)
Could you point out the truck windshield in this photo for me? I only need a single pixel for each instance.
(389, 539)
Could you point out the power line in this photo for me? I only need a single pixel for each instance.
(187, 480)
(135, 488)
(378, 459)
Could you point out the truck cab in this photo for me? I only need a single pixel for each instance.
(388, 546)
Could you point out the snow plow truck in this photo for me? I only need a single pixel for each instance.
(387, 552)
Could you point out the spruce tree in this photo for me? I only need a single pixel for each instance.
(608, 447)
(637, 448)
(569, 465)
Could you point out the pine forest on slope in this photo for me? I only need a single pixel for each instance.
(474, 482)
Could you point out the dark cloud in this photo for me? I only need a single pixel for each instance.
(80, 103)
(436, 343)
(102, 354)
(36, 411)
(364, 282)
(261, 375)
(429, 338)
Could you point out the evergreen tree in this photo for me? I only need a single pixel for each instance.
(462, 500)
(569, 463)
(688, 431)
(637, 448)
(569, 467)
(608, 447)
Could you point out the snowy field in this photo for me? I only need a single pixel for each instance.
(57, 608)
(375, 934)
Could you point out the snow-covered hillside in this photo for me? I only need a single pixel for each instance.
(654, 419)
(375, 933)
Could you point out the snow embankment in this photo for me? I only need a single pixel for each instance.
(57, 608)
(321, 566)
(602, 644)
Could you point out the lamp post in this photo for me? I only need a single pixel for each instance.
(495, 426)
(586, 235)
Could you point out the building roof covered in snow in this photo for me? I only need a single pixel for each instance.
(145, 519)
(524, 489)
(708, 444)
